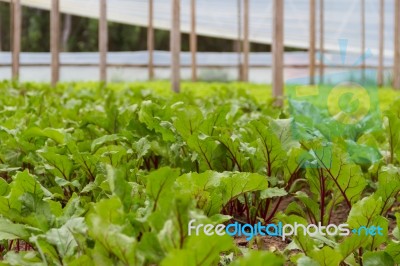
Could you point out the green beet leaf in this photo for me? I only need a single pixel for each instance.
(377, 259)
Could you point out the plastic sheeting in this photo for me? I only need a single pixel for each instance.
(219, 18)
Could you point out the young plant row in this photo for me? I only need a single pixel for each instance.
(113, 176)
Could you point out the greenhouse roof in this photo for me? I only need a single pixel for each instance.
(219, 19)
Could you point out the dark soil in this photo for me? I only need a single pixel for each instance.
(270, 243)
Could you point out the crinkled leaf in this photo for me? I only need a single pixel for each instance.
(388, 186)
(57, 135)
(103, 140)
(326, 256)
(240, 183)
(29, 258)
(348, 180)
(150, 114)
(149, 249)
(351, 244)
(268, 145)
(160, 183)
(188, 120)
(11, 231)
(119, 186)
(272, 192)
(199, 250)
(377, 258)
(60, 164)
(108, 226)
(63, 239)
(393, 249)
(364, 212)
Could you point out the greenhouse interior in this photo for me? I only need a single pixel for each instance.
(200, 132)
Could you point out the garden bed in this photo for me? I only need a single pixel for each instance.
(95, 174)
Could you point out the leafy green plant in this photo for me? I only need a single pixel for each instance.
(93, 175)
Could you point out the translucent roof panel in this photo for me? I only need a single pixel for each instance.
(218, 18)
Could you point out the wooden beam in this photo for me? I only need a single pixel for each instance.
(246, 43)
(150, 40)
(55, 41)
(277, 51)
(396, 67)
(239, 40)
(103, 40)
(381, 42)
(188, 66)
(363, 40)
(1, 33)
(312, 42)
(193, 40)
(175, 40)
(321, 40)
(16, 14)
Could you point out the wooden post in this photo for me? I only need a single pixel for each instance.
(16, 13)
(246, 43)
(1, 33)
(321, 41)
(239, 40)
(312, 42)
(277, 51)
(175, 40)
(396, 67)
(193, 40)
(363, 40)
(55, 42)
(381, 42)
(103, 40)
(150, 40)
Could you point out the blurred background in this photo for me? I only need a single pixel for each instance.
(346, 35)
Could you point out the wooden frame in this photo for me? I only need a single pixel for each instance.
(321, 40)
(103, 40)
(396, 66)
(150, 40)
(363, 63)
(55, 41)
(277, 42)
(239, 39)
(175, 40)
(193, 39)
(16, 15)
(277, 50)
(312, 41)
(380, 77)
(246, 43)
